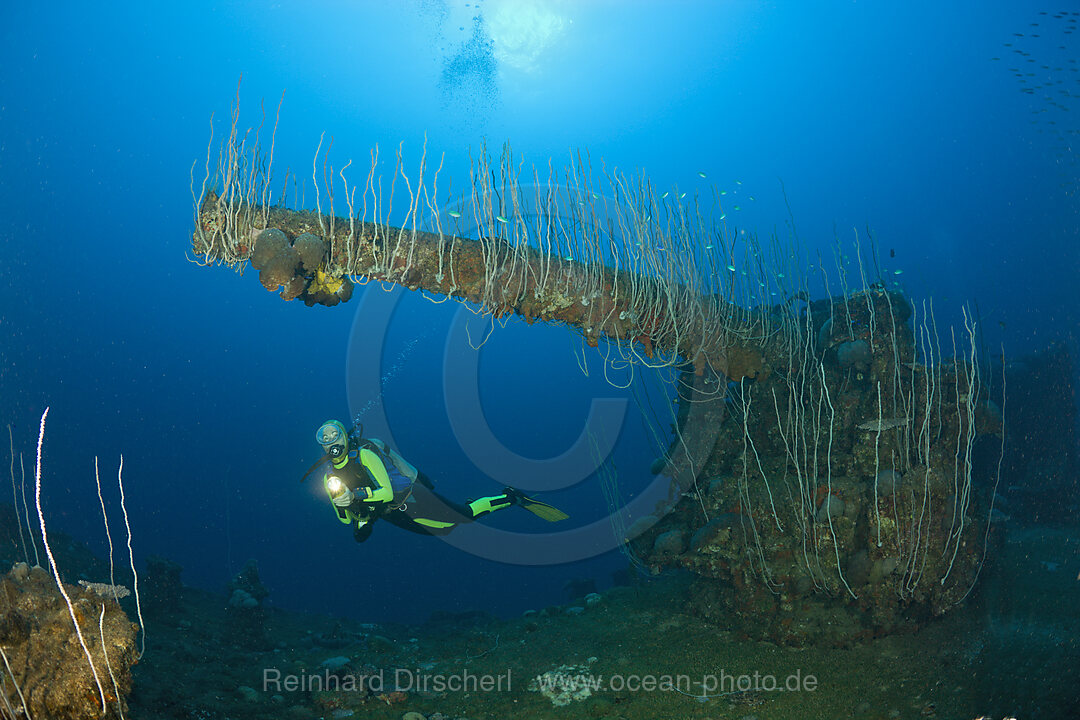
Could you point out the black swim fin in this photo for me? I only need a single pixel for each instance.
(540, 509)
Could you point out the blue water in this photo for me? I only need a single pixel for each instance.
(892, 119)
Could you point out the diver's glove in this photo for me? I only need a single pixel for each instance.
(345, 498)
(362, 531)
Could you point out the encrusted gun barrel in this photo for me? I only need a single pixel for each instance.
(316, 258)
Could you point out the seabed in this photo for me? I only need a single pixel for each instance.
(616, 655)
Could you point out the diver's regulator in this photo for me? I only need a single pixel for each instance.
(333, 437)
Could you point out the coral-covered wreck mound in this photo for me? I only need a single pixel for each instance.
(46, 673)
(849, 490)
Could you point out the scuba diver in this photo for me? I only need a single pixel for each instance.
(366, 480)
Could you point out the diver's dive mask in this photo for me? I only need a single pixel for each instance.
(333, 437)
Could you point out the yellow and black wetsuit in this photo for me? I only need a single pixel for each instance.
(387, 487)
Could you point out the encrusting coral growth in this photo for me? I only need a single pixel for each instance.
(632, 270)
(67, 650)
(47, 673)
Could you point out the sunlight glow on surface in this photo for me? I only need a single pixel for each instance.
(523, 30)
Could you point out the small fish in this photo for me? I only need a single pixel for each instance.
(723, 215)
(595, 196)
(454, 214)
(501, 219)
(898, 272)
(738, 182)
(664, 195)
(736, 208)
(682, 196)
(752, 198)
(701, 174)
(731, 268)
(892, 252)
(708, 247)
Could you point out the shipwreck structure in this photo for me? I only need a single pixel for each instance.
(825, 474)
